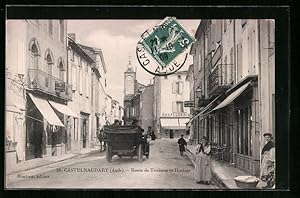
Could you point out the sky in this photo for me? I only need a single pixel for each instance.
(118, 39)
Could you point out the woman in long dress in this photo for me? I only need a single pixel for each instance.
(203, 162)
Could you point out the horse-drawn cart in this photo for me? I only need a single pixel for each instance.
(125, 141)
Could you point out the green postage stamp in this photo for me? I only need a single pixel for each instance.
(165, 43)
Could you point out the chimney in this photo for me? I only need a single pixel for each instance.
(72, 36)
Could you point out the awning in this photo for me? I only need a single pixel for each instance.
(173, 123)
(204, 109)
(232, 96)
(63, 109)
(46, 110)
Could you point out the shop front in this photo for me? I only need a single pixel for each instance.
(173, 127)
(234, 127)
(42, 125)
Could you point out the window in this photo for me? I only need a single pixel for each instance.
(239, 61)
(179, 77)
(61, 31)
(232, 67)
(80, 80)
(251, 51)
(225, 25)
(178, 107)
(61, 72)
(244, 128)
(74, 76)
(166, 77)
(50, 27)
(200, 62)
(88, 79)
(79, 61)
(34, 56)
(177, 88)
(49, 69)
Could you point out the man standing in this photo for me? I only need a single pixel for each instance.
(268, 161)
(182, 143)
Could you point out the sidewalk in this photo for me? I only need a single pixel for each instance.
(40, 162)
(223, 171)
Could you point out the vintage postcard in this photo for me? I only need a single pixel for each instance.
(165, 103)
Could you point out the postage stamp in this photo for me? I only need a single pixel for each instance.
(165, 44)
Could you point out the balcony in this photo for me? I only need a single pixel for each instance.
(220, 79)
(44, 82)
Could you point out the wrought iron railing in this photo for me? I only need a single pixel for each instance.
(221, 76)
(44, 82)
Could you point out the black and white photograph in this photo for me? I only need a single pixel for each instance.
(164, 103)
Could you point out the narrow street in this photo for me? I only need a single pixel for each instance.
(165, 168)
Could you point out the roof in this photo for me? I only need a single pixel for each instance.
(76, 47)
(92, 51)
(129, 69)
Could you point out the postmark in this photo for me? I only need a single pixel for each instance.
(162, 49)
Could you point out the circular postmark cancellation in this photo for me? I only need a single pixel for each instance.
(161, 51)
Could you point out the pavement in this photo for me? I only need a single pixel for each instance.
(223, 172)
(40, 162)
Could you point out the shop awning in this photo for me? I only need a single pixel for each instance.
(173, 123)
(205, 109)
(232, 96)
(46, 110)
(63, 109)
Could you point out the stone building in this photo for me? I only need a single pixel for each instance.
(80, 77)
(228, 58)
(37, 91)
(170, 115)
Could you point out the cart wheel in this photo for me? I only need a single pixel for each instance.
(108, 153)
(140, 153)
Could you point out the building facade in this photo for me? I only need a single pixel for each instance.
(37, 89)
(98, 90)
(170, 115)
(80, 77)
(234, 84)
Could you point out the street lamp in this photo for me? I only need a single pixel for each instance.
(199, 92)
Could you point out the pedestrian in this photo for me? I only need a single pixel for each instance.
(203, 162)
(182, 143)
(268, 161)
(152, 134)
(171, 134)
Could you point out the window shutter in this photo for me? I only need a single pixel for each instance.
(174, 107)
(174, 87)
(218, 30)
(80, 83)
(213, 36)
(180, 87)
(74, 76)
(253, 51)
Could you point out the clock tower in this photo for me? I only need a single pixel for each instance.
(129, 81)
